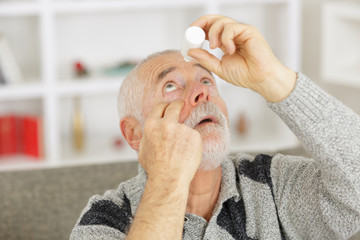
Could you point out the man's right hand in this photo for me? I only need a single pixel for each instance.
(169, 151)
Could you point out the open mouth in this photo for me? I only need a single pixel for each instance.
(207, 120)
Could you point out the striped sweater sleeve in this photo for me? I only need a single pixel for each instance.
(318, 198)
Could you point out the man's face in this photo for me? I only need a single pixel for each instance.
(169, 77)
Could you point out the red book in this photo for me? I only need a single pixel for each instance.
(8, 135)
(19, 134)
(32, 136)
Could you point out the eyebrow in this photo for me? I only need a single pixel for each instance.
(201, 66)
(165, 72)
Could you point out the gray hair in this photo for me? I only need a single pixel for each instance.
(131, 93)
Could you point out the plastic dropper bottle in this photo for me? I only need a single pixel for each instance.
(194, 38)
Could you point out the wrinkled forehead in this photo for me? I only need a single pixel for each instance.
(150, 70)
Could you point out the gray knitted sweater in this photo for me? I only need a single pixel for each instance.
(279, 197)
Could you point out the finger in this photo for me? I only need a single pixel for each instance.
(232, 31)
(206, 21)
(223, 48)
(157, 111)
(207, 60)
(216, 30)
(173, 110)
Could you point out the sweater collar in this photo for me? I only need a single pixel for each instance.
(228, 187)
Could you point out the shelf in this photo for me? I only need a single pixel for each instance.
(100, 154)
(21, 163)
(340, 55)
(8, 9)
(112, 44)
(265, 132)
(345, 10)
(66, 7)
(49, 36)
(251, 2)
(14, 9)
(89, 86)
(21, 91)
(97, 152)
(22, 35)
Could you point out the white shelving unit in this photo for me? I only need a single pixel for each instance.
(50, 35)
(340, 58)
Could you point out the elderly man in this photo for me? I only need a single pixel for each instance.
(188, 187)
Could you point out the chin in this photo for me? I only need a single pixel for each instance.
(216, 147)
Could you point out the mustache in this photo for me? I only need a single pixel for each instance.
(203, 110)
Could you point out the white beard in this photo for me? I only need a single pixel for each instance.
(215, 136)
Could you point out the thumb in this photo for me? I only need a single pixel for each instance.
(207, 60)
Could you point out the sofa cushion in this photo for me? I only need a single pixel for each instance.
(46, 203)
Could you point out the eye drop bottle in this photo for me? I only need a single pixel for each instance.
(194, 38)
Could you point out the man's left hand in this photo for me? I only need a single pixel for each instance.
(248, 60)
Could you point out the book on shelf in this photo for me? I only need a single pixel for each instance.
(10, 72)
(21, 135)
(8, 143)
(32, 136)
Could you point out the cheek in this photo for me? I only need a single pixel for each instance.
(149, 102)
(172, 96)
(146, 108)
(223, 108)
(213, 92)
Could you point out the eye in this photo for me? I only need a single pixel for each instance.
(169, 87)
(206, 82)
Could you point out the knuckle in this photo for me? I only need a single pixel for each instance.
(228, 29)
(251, 28)
(212, 17)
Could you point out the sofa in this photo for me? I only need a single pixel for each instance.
(46, 203)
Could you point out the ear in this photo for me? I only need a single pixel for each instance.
(131, 130)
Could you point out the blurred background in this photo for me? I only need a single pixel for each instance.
(62, 62)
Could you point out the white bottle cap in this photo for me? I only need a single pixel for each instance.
(194, 38)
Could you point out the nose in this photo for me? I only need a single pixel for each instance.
(199, 94)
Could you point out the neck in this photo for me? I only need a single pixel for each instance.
(204, 192)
